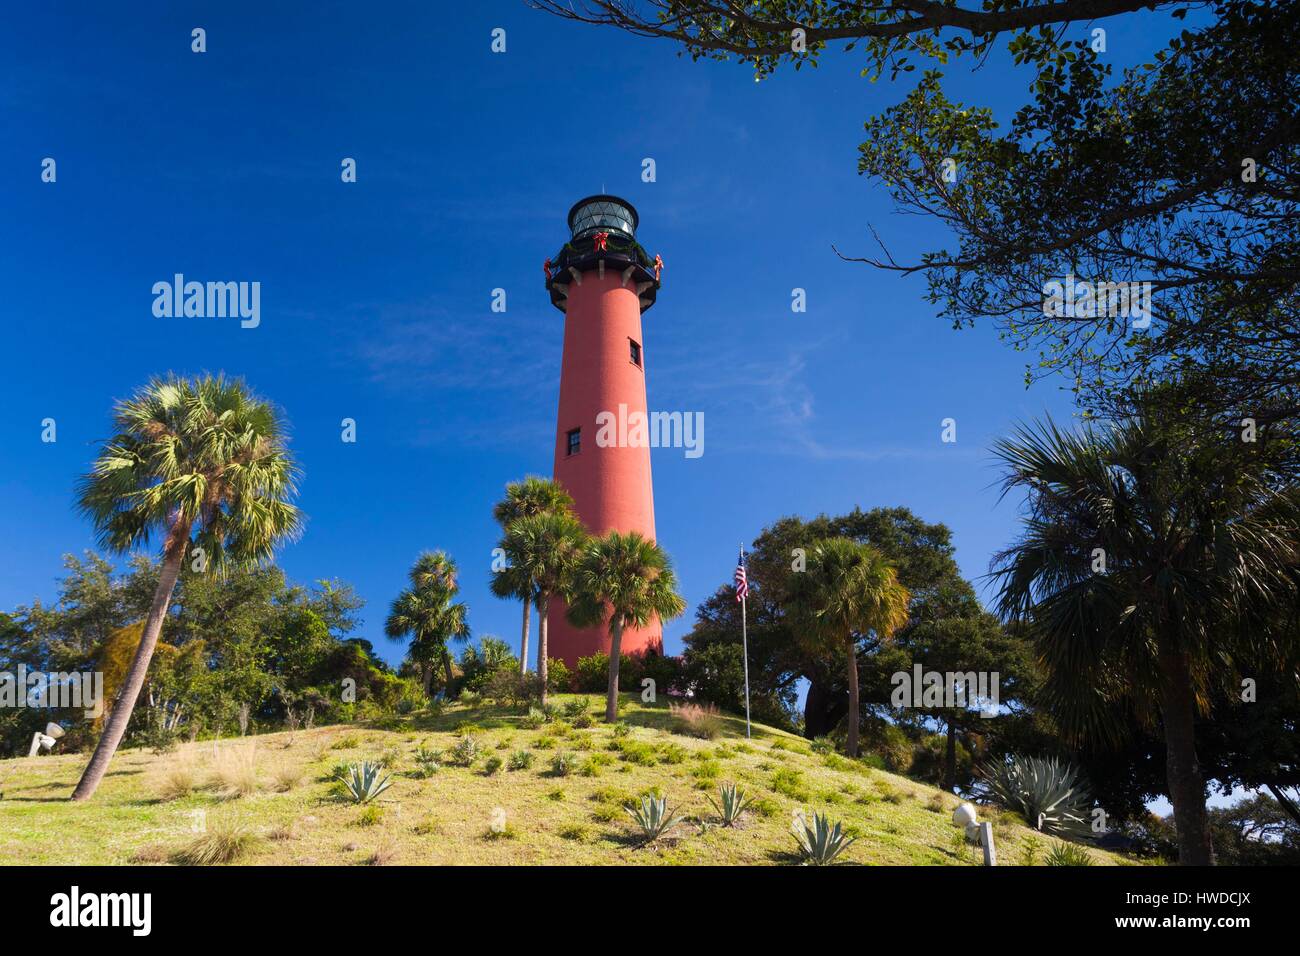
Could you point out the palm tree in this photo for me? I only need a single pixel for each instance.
(624, 580)
(1151, 550)
(544, 550)
(202, 463)
(524, 499)
(427, 614)
(847, 590)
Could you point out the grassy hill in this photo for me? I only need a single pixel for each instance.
(271, 799)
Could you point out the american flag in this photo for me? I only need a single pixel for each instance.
(742, 579)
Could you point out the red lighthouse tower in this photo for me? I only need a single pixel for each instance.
(602, 280)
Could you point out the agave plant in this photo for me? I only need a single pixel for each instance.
(734, 802)
(1047, 793)
(465, 751)
(820, 842)
(653, 818)
(428, 760)
(363, 781)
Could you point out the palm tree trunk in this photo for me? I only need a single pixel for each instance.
(615, 652)
(1285, 802)
(950, 759)
(446, 669)
(115, 727)
(1183, 771)
(542, 674)
(854, 711)
(426, 669)
(523, 643)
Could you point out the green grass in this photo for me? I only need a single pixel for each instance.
(274, 794)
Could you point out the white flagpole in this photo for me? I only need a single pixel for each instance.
(744, 640)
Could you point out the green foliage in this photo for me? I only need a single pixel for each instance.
(365, 781)
(731, 804)
(559, 680)
(653, 818)
(1045, 792)
(790, 783)
(592, 674)
(820, 842)
(521, 760)
(481, 665)
(1067, 854)
(1030, 850)
(428, 615)
(465, 751)
(492, 764)
(428, 760)
(563, 763)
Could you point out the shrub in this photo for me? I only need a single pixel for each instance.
(820, 842)
(1029, 851)
(706, 770)
(427, 760)
(370, 816)
(558, 678)
(593, 673)
(576, 706)
(465, 751)
(671, 753)
(888, 742)
(637, 752)
(591, 767)
(930, 759)
(363, 782)
(666, 672)
(507, 686)
(1068, 854)
(573, 831)
(621, 729)
(582, 721)
(521, 760)
(492, 765)
(1048, 794)
(470, 698)
(696, 720)
(789, 783)
(823, 745)
(222, 843)
(562, 764)
(346, 742)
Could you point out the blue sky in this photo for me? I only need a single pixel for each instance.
(376, 295)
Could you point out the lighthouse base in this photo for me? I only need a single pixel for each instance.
(568, 643)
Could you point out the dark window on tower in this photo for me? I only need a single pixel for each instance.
(636, 352)
(575, 441)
